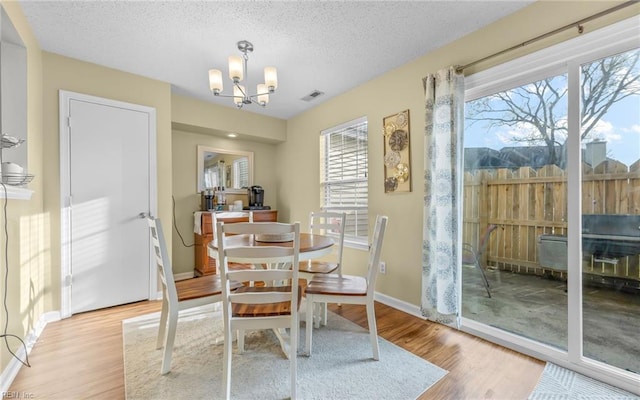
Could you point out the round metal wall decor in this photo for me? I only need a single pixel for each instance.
(398, 140)
(391, 159)
(390, 184)
(389, 129)
(402, 173)
(401, 119)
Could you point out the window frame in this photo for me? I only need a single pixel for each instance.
(353, 241)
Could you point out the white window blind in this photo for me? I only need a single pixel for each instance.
(343, 176)
(241, 173)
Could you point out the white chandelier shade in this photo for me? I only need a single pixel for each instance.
(235, 68)
(237, 73)
(271, 78)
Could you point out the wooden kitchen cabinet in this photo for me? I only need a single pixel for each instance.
(206, 265)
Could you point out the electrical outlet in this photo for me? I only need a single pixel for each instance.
(383, 267)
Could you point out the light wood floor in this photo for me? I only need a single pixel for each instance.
(81, 357)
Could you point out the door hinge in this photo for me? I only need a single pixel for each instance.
(68, 280)
(69, 122)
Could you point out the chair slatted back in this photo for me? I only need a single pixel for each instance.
(259, 255)
(333, 224)
(231, 217)
(162, 260)
(375, 251)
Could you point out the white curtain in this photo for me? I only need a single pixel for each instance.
(441, 257)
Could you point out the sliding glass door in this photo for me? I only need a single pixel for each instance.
(610, 137)
(551, 205)
(515, 180)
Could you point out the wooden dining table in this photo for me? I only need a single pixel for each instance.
(311, 245)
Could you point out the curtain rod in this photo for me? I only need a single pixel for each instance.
(577, 24)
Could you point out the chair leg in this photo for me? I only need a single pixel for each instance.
(323, 313)
(226, 366)
(240, 341)
(309, 325)
(163, 323)
(317, 314)
(373, 330)
(484, 277)
(293, 355)
(169, 339)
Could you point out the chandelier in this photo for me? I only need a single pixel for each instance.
(238, 72)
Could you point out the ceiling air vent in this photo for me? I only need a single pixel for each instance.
(312, 95)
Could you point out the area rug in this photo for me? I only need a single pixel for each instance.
(557, 383)
(341, 366)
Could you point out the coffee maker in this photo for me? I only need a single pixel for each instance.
(206, 200)
(256, 197)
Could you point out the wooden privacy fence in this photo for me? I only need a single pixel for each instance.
(525, 203)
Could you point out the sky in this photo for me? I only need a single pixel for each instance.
(620, 128)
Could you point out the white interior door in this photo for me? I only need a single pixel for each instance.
(108, 188)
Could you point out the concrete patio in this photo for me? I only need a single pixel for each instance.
(536, 307)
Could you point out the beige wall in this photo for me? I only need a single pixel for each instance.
(63, 73)
(197, 116)
(184, 184)
(395, 91)
(29, 268)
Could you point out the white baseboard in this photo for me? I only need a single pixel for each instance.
(12, 369)
(408, 308)
(182, 276)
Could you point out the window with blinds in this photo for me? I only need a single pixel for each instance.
(343, 176)
(241, 173)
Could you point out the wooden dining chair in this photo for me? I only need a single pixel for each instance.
(332, 224)
(349, 289)
(272, 306)
(180, 295)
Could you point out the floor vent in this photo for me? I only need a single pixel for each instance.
(312, 95)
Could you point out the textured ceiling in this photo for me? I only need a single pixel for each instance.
(329, 46)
